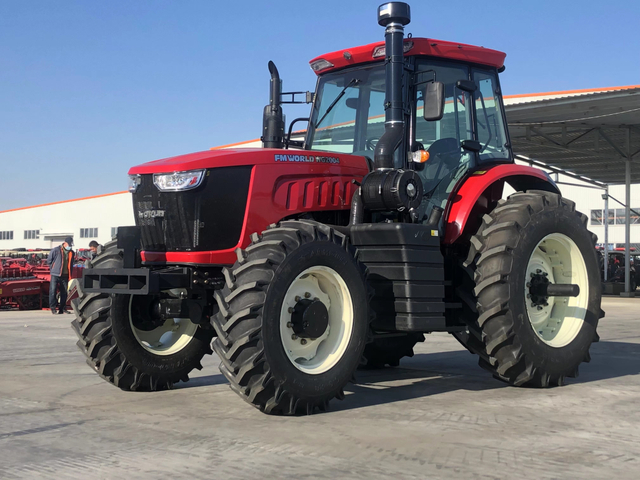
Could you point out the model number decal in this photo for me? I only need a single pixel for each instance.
(151, 214)
(305, 159)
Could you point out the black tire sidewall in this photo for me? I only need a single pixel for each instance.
(300, 384)
(178, 363)
(553, 360)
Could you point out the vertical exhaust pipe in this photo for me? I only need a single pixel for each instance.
(387, 188)
(272, 118)
(393, 16)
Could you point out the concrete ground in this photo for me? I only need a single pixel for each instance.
(439, 416)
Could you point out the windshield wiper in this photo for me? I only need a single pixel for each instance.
(354, 81)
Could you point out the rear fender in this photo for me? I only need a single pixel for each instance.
(480, 191)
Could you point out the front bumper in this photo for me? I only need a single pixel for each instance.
(135, 281)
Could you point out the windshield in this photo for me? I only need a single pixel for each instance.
(348, 115)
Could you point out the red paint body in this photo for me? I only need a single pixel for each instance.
(277, 189)
(462, 201)
(281, 187)
(421, 46)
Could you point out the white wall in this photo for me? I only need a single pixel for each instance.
(67, 218)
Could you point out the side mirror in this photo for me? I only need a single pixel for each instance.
(433, 101)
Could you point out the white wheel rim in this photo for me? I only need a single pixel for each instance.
(169, 338)
(316, 356)
(558, 323)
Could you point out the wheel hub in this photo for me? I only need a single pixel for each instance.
(316, 320)
(557, 290)
(537, 284)
(146, 314)
(310, 318)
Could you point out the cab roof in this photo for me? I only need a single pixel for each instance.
(412, 46)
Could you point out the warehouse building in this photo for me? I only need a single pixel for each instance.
(44, 226)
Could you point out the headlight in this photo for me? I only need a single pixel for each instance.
(134, 182)
(178, 181)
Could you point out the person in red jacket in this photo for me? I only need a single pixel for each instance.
(60, 262)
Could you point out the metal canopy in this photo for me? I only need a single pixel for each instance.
(589, 132)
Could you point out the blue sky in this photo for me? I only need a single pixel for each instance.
(90, 88)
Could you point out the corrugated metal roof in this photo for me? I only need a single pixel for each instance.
(582, 131)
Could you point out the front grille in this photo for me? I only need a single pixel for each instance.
(209, 217)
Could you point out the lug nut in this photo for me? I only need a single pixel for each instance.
(307, 295)
(538, 271)
(528, 295)
(303, 341)
(294, 337)
(528, 284)
(539, 307)
(297, 299)
(289, 325)
(290, 310)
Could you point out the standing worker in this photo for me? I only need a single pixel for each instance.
(96, 249)
(60, 262)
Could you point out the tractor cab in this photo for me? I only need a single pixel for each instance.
(467, 131)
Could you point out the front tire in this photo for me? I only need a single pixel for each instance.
(274, 358)
(127, 354)
(525, 340)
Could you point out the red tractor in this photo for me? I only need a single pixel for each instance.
(387, 222)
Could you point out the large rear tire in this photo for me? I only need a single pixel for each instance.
(521, 339)
(294, 318)
(130, 355)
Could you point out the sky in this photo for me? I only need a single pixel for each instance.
(91, 88)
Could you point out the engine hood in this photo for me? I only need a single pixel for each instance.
(252, 156)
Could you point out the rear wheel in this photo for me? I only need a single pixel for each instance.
(126, 346)
(293, 319)
(522, 338)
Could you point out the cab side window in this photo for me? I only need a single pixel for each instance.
(491, 128)
(442, 139)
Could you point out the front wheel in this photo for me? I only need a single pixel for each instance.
(294, 318)
(532, 239)
(127, 345)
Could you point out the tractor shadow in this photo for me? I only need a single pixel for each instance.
(430, 374)
(422, 376)
(436, 373)
(202, 381)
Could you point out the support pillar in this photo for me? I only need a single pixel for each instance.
(606, 233)
(627, 223)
